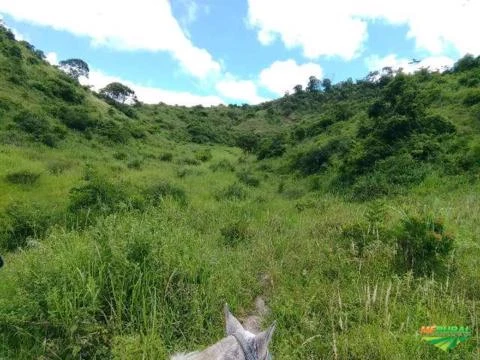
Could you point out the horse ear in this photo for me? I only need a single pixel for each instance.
(232, 325)
(263, 339)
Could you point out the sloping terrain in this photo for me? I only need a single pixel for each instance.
(351, 209)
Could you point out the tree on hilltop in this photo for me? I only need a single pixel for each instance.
(119, 93)
(75, 68)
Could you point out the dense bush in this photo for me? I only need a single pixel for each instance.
(22, 222)
(423, 245)
(76, 118)
(39, 128)
(65, 90)
(472, 98)
(271, 147)
(318, 159)
(97, 196)
(114, 132)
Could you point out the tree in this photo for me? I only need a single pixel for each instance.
(119, 93)
(298, 89)
(313, 84)
(75, 68)
(327, 85)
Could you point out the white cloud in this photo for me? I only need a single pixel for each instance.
(52, 58)
(140, 25)
(317, 27)
(151, 95)
(339, 28)
(245, 90)
(432, 63)
(282, 76)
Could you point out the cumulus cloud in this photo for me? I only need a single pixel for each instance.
(318, 28)
(432, 63)
(150, 95)
(244, 90)
(339, 28)
(140, 25)
(282, 76)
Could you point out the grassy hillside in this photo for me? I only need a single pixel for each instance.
(352, 210)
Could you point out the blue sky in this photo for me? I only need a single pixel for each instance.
(242, 51)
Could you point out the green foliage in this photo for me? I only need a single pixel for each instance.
(234, 191)
(58, 167)
(76, 118)
(248, 142)
(202, 133)
(75, 68)
(271, 147)
(119, 93)
(158, 192)
(248, 179)
(235, 233)
(39, 128)
(22, 222)
(114, 131)
(24, 177)
(423, 245)
(64, 90)
(222, 165)
(466, 63)
(472, 98)
(135, 164)
(167, 156)
(203, 155)
(97, 196)
(317, 160)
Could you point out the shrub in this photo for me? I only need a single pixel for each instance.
(232, 192)
(114, 132)
(39, 127)
(24, 177)
(32, 123)
(472, 98)
(248, 179)
(65, 90)
(271, 147)
(156, 194)
(317, 160)
(76, 118)
(22, 222)
(423, 245)
(235, 233)
(168, 156)
(203, 155)
(98, 196)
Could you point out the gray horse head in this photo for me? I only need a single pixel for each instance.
(239, 344)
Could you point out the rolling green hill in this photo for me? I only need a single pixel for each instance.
(350, 208)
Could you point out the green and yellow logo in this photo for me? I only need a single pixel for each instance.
(445, 337)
